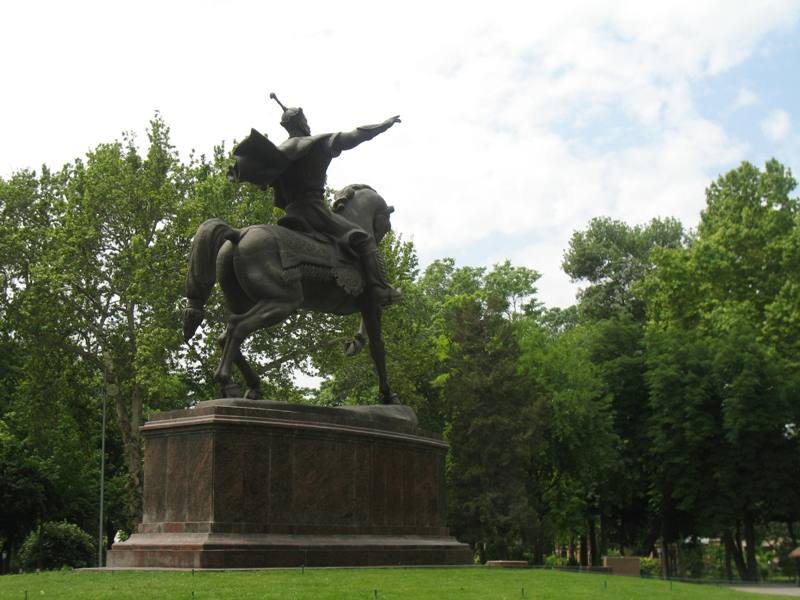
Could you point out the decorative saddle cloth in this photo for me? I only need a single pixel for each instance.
(316, 256)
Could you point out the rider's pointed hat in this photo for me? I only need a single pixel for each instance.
(290, 114)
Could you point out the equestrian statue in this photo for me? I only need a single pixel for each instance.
(316, 258)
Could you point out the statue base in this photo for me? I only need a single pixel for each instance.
(251, 483)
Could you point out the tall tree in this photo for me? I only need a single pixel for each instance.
(113, 267)
(721, 368)
(489, 410)
(575, 456)
(614, 258)
(48, 397)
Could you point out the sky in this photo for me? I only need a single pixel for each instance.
(521, 121)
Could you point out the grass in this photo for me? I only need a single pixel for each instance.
(469, 583)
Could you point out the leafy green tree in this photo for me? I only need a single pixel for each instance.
(26, 494)
(723, 385)
(48, 397)
(614, 258)
(488, 429)
(113, 268)
(576, 450)
(489, 411)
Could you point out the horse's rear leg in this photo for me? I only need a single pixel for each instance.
(265, 313)
(251, 379)
(237, 302)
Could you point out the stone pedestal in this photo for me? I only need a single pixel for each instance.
(243, 483)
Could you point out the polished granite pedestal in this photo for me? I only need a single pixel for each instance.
(251, 483)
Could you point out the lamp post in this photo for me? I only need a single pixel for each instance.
(102, 485)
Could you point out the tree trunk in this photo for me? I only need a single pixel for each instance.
(538, 549)
(572, 561)
(593, 554)
(131, 440)
(480, 548)
(10, 557)
(664, 551)
(728, 562)
(584, 549)
(646, 546)
(735, 551)
(739, 537)
(793, 537)
(750, 540)
(603, 545)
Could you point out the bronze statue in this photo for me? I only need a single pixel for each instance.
(315, 258)
(297, 171)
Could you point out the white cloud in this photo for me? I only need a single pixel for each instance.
(487, 96)
(776, 125)
(746, 97)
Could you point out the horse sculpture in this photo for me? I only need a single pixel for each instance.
(267, 272)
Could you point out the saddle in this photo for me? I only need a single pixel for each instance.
(305, 253)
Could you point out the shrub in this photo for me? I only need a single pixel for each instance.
(650, 567)
(692, 559)
(551, 560)
(57, 545)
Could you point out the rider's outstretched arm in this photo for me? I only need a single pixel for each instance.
(350, 139)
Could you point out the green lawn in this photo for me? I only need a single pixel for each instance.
(468, 583)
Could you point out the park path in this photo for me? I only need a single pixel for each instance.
(774, 590)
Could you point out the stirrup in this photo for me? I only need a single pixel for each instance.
(386, 295)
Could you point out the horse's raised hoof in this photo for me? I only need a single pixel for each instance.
(354, 346)
(253, 394)
(231, 390)
(390, 399)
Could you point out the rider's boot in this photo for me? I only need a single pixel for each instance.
(375, 275)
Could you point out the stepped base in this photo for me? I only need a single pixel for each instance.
(253, 484)
(238, 551)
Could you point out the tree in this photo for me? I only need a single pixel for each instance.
(722, 382)
(489, 411)
(575, 456)
(113, 267)
(614, 258)
(49, 398)
(26, 494)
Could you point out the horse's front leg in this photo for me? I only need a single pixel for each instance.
(371, 318)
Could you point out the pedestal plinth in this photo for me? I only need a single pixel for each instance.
(251, 483)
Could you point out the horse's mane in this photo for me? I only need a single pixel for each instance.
(344, 195)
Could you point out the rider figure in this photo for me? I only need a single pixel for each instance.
(299, 185)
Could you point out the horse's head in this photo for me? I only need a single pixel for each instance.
(364, 206)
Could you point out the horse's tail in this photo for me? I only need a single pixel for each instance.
(202, 270)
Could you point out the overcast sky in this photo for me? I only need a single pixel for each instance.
(521, 121)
